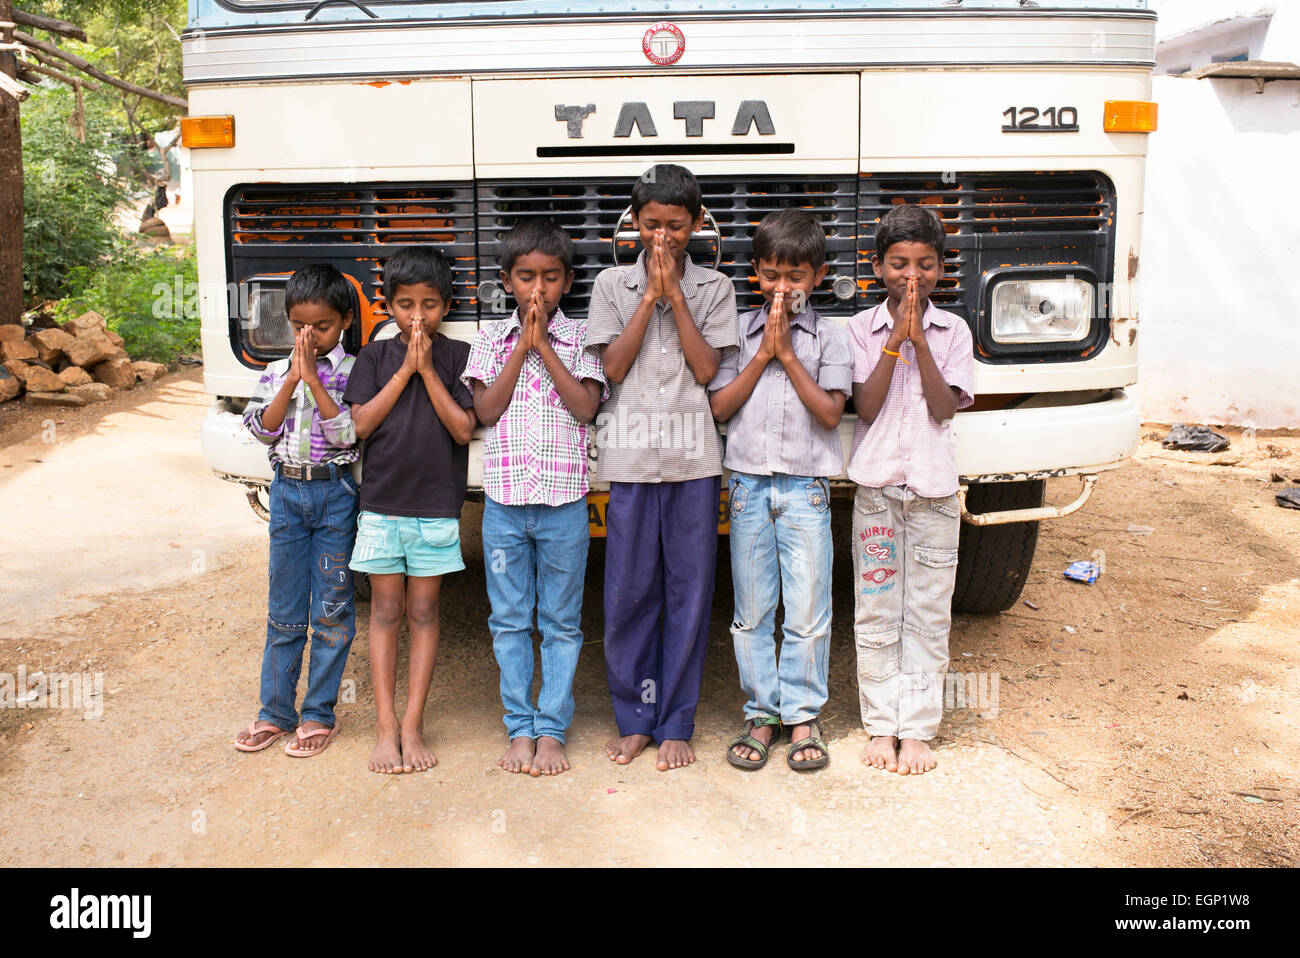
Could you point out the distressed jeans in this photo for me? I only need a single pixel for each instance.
(781, 548)
(536, 556)
(904, 571)
(313, 525)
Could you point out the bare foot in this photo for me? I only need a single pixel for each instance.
(550, 757)
(623, 750)
(519, 756)
(262, 732)
(416, 756)
(882, 753)
(764, 734)
(386, 758)
(915, 757)
(674, 753)
(797, 734)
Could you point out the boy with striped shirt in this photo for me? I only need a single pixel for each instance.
(536, 388)
(297, 411)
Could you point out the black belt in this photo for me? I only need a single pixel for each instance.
(327, 470)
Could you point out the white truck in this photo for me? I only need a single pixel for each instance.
(339, 131)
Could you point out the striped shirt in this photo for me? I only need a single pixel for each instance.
(656, 425)
(536, 453)
(773, 433)
(905, 445)
(304, 437)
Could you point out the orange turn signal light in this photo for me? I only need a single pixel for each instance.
(1130, 116)
(205, 132)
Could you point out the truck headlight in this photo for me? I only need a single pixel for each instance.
(1042, 310)
(267, 325)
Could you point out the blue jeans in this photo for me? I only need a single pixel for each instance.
(781, 548)
(536, 555)
(313, 524)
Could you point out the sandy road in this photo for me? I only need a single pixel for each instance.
(1161, 730)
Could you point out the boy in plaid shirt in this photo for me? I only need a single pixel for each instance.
(536, 388)
(297, 411)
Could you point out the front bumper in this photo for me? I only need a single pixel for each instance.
(1054, 434)
(1051, 435)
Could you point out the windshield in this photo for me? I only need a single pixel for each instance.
(209, 14)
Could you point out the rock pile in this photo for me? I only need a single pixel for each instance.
(79, 363)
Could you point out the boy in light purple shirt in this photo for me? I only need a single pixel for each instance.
(536, 387)
(913, 369)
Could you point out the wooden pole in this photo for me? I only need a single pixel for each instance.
(61, 27)
(85, 66)
(11, 185)
(35, 68)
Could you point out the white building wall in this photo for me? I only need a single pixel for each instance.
(1220, 268)
(1180, 17)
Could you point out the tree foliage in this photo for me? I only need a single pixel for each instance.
(148, 297)
(73, 189)
(70, 189)
(134, 40)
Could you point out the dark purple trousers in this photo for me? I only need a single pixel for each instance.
(661, 543)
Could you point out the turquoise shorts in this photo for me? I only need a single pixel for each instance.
(395, 544)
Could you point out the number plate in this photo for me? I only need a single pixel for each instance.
(598, 508)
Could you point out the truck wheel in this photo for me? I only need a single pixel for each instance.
(993, 561)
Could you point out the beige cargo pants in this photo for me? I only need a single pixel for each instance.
(904, 570)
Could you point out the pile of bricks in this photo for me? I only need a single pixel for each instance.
(80, 362)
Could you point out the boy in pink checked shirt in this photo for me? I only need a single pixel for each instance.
(913, 368)
(536, 388)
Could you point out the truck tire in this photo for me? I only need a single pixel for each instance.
(993, 561)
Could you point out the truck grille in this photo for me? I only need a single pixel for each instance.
(590, 211)
(1035, 217)
(993, 219)
(277, 228)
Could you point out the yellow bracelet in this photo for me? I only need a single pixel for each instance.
(890, 352)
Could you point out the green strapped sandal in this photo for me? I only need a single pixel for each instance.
(813, 741)
(747, 739)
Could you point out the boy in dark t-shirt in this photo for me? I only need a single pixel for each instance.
(417, 416)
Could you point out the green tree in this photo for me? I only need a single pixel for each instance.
(70, 189)
(61, 190)
(148, 297)
(135, 41)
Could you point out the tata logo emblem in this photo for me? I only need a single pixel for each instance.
(663, 44)
(635, 115)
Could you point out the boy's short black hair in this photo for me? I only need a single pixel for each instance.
(670, 185)
(417, 264)
(540, 235)
(791, 236)
(319, 283)
(910, 223)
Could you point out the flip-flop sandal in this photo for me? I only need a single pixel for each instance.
(747, 739)
(254, 730)
(812, 741)
(296, 750)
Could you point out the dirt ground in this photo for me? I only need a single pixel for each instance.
(1147, 719)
